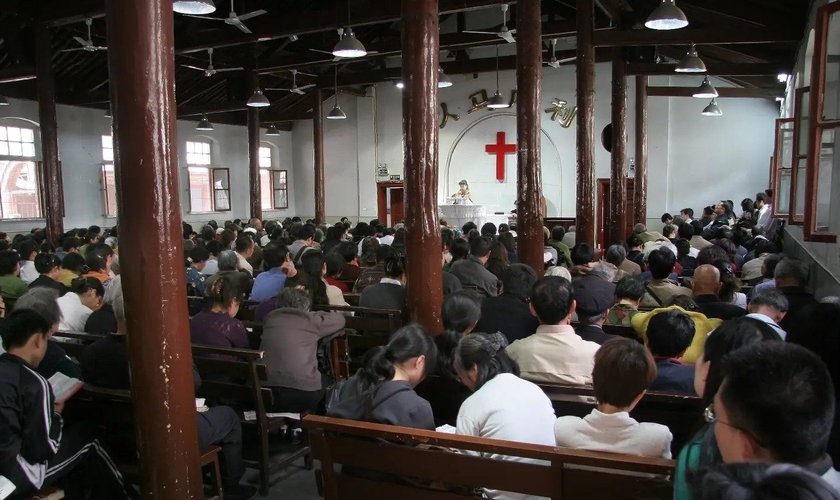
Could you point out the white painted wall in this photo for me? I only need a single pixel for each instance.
(80, 131)
(693, 160)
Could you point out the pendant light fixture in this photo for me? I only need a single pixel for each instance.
(706, 90)
(3, 101)
(712, 109)
(204, 124)
(443, 79)
(272, 130)
(497, 101)
(691, 63)
(199, 7)
(666, 17)
(349, 46)
(258, 100)
(336, 113)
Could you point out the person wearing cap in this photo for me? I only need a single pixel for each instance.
(594, 298)
(555, 353)
(641, 231)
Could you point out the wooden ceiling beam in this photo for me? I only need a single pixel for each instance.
(615, 38)
(740, 12)
(726, 92)
(267, 28)
(713, 69)
(214, 108)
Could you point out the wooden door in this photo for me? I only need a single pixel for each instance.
(397, 207)
(603, 210)
(382, 202)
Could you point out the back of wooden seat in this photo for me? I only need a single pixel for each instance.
(381, 461)
(366, 319)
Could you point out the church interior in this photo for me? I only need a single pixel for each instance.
(299, 158)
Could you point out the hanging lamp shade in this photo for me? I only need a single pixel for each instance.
(705, 90)
(712, 109)
(443, 79)
(204, 124)
(3, 101)
(349, 46)
(666, 17)
(258, 100)
(691, 63)
(336, 113)
(497, 102)
(199, 7)
(272, 130)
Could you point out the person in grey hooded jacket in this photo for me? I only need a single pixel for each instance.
(383, 390)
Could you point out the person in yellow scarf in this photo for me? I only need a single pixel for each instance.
(702, 327)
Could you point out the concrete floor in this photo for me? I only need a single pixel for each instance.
(295, 483)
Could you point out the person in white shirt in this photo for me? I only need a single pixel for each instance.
(770, 306)
(765, 210)
(28, 251)
(623, 371)
(502, 406)
(244, 251)
(555, 353)
(84, 297)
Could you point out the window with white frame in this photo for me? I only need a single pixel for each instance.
(273, 182)
(108, 177)
(20, 188)
(209, 188)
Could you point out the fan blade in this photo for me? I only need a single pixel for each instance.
(225, 70)
(194, 67)
(481, 32)
(321, 51)
(306, 87)
(567, 59)
(241, 26)
(205, 17)
(298, 91)
(306, 74)
(101, 48)
(82, 41)
(72, 50)
(245, 17)
(508, 36)
(276, 89)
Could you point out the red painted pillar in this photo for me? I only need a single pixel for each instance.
(528, 115)
(254, 149)
(141, 68)
(585, 124)
(420, 44)
(640, 179)
(51, 163)
(318, 141)
(618, 172)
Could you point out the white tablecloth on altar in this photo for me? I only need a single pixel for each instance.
(458, 215)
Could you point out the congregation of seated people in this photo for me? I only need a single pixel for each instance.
(706, 309)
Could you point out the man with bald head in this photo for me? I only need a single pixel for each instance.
(705, 287)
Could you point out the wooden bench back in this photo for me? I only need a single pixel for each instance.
(366, 319)
(233, 381)
(425, 457)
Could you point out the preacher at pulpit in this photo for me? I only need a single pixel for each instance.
(462, 196)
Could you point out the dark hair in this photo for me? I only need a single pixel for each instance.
(709, 254)
(759, 481)
(634, 241)
(312, 265)
(582, 254)
(335, 264)
(669, 333)
(460, 310)
(518, 279)
(557, 233)
(214, 247)
(726, 338)
(83, 285)
(761, 197)
(685, 231)
(488, 229)
(20, 325)
(623, 370)
(73, 262)
(447, 236)
(197, 255)
(480, 247)
(348, 250)
(731, 283)
(683, 248)
(630, 287)
(306, 232)
(410, 341)
(469, 226)
(274, 254)
(508, 241)
(27, 248)
(9, 260)
(661, 263)
(487, 355)
(394, 266)
(46, 262)
(763, 246)
(666, 217)
(688, 211)
(224, 291)
(551, 297)
(771, 297)
(782, 394)
(96, 260)
(459, 249)
(243, 243)
(47, 247)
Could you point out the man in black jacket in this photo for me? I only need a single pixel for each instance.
(37, 449)
(509, 312)
(705, 286)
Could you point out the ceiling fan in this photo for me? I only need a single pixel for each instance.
(295, 88)
(554, 62)
(210, 70)
(233, 19)
(504, 33)
(87, 45)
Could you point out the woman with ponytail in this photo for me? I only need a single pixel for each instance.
(503, 406)
(460, 313)
(389, 293)
(383, 390)
(217, 325)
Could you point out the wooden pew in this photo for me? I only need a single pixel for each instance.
(241, 384)
(414, 464)
(682, 414)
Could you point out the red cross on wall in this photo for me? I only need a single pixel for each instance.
(500, 149)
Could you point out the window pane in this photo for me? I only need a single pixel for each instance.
(824, 179)
(15, 149)
(281, 199)
(110, 185)
(205, 148)
(200, 194)
(783, 197)
(27, 135)
(19, 190)
(4, 148)
(831, 103)
(801, 179)
(265, 189)
(3, 135)
(108, 154)
(803, 125)
(220, 178)
(28, 149)
(14, 134)
(190, 147)
(786, 154)
(107, 141)
(280, 179)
